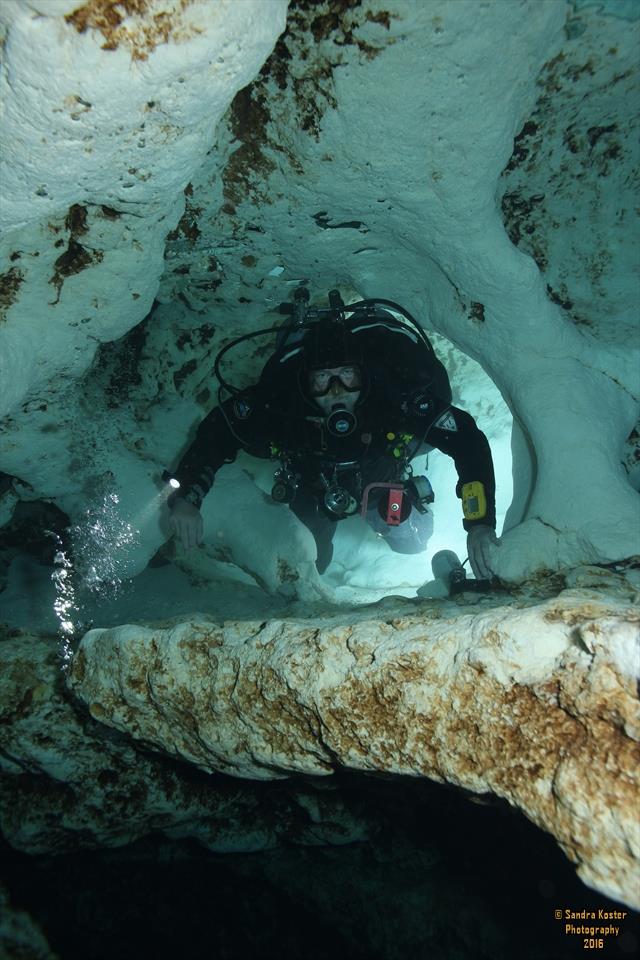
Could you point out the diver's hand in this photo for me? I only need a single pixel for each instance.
(185, 521)
(481, 540)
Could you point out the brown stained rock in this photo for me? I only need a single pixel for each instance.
(315, 33)
(67, 784)
(140, 25)
(537, 705)
(73, 260)
(248, 165)
(9, 286)
(188, 225)
(565, 160)
(76, 257)
(76, 220)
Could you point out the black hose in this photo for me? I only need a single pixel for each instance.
(247, 336)
(258, 333)
(350, 308)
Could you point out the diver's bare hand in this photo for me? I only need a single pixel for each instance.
(185, 521)
(481, 541)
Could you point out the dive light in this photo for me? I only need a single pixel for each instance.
(170, 479)
(446, 566)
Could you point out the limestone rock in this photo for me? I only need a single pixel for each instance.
(20, 936)
(537, 705)
(68, 783)
(108, 110)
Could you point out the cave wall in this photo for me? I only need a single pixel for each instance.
(395, 149)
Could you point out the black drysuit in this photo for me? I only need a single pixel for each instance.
(403, 410)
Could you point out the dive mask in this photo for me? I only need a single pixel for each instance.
(321, 379)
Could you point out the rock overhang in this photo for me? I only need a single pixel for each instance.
(534, 703)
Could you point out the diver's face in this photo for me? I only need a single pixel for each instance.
(335, 399)
(335, 387)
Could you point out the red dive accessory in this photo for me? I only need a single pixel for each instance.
(394, 509)
(394, 506)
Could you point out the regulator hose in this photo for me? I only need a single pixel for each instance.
(307, 325)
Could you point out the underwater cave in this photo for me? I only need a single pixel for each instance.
(242, 748)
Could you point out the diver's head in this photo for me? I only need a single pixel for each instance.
(333, 374)
(335, 387)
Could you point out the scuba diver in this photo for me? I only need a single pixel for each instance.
(351, 395)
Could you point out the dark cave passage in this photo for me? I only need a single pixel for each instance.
(445, 877)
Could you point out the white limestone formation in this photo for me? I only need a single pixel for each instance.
(108, 108)
(66, 786)
(536, 704)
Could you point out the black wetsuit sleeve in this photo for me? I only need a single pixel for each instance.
(214, 444)
(456, 434)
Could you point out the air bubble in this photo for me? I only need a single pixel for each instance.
(99, 545)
